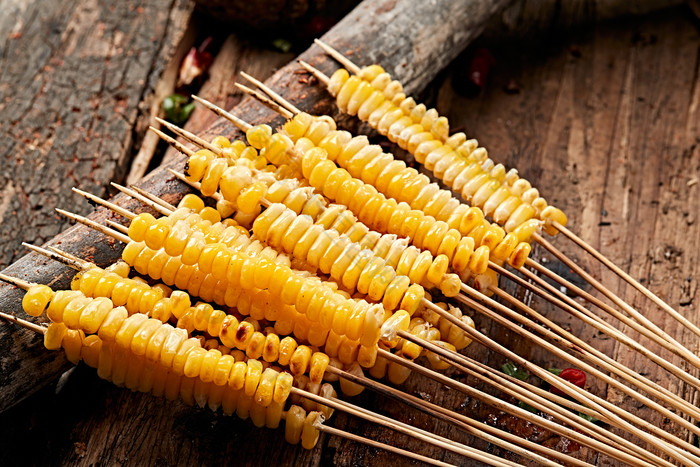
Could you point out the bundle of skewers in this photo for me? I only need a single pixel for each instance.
(312, 264)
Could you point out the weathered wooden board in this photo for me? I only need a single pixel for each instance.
(587, 126)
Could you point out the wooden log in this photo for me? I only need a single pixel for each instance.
(446, 27)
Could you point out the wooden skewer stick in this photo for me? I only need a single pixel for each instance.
(583, 350)
(118, 209)
(155, 205)
(273, 94)
(69, 256)
(376, 444)
(617, 416)
(17, 282)
(629, 279)
(611, 448)
(152, 197)
(406, 429)
(662, 338)
(118, 227)
(268, 102)
(576, 309)
(98, 227)
(342, 59)
(222, 113)
(315, 72)
(78, 265)
(484, 431)
(457, 360)
(173, 142)
(24, 323)
(195, 139)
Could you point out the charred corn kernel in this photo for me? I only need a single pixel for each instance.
(36, 299)
(256, 346)
(348, 387)
(520, 254)
(112, 323)
(243, 335)
(318, 364)
(460, 261)
(252, 377)
(53, 337)
(300, 360)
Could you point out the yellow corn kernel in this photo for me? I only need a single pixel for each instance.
(398, 321)
(72, 343)
(412, 298)
(271, 347)
(318, 364)
(54, 335)
(395, 292)
(258, 136)
(461, 259)
(112, 323)
(295, 416)
(256, 346)
(348, 387)
(347, 351)
(143, 336)
(36, 299)
(222, 370)
(180, 358)
(252, 377)
(266, 387)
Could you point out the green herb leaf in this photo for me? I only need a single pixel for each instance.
(588, 417)
(511, 370)
(527, 407)
(556, 371)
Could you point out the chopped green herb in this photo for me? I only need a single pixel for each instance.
(511, 370)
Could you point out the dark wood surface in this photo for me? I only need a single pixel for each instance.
(602, 119)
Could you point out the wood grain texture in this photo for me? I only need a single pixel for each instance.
(74, 75)
(601, 118)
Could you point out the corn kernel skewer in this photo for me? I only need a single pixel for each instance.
(678, 372)
(669, 343)
(375, 418)
(579, 394)
(580, 312)
(602, 375)
(554, 224)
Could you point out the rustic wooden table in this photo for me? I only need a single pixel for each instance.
(601, 117)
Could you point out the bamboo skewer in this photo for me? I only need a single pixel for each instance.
(376, 444)
(24, 323)
(614, 413)
(629, 279)
(577, 310)
(484, 431)
(617, 451)
(690, 356)
(355, 69)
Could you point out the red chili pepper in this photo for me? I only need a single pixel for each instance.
(572, 375)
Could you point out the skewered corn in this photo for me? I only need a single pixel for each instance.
(458, 162)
